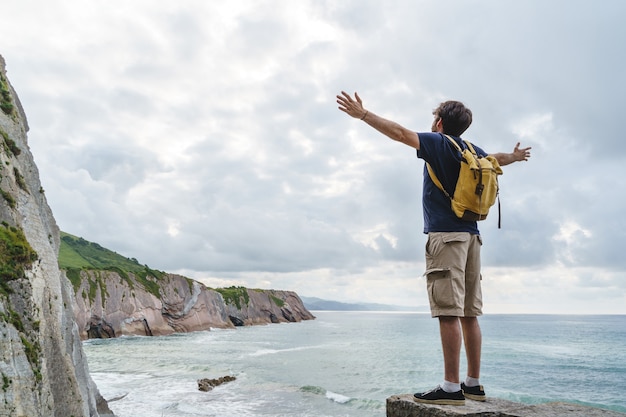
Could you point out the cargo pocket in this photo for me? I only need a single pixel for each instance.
(437, 243)
(440, 289)
(436, 273)
(456, 237)
(438, 285)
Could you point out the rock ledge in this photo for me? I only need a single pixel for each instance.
(404, 406)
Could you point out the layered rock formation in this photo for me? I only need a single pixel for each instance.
(116, 303)
(42, 365)
(253, 306)
(404, 406)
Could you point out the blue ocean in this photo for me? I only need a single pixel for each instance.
(346, 364)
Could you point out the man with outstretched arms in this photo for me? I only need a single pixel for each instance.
(453, 246)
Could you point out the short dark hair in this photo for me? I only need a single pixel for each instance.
(455, 117)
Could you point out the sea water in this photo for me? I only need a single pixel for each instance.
(348, 363)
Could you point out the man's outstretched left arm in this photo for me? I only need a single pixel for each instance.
(517, 155)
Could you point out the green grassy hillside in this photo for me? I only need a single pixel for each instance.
(78, 253)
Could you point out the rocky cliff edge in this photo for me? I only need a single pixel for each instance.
(404, 406)
(43, 368)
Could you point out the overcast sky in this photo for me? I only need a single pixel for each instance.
(203, 138)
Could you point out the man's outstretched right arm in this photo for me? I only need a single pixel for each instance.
(393, 130)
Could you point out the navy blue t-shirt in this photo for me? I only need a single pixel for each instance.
(445, 160)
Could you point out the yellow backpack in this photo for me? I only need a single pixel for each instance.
(477, 187)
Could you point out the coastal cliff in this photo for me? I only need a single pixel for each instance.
(42, 364)
(116, 303)
(117, 296)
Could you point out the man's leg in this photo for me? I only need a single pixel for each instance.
(473, 344)
(446, 258)
(449, 393)
(469, 323)
(451, 343)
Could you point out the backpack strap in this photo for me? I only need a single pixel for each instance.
(431, 172)
(456, 145)
(499, 213)
(436, 180)
(470, 147)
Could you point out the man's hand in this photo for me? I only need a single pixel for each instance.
(521, 154)
(354, 108)
(350, 106)
(515, 156)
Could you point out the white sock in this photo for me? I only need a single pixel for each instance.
(448, 386)
(471, 382)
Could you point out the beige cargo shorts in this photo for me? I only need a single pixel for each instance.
(453, 274)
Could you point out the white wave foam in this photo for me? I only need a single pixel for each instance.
(263, 352)
(338, 398)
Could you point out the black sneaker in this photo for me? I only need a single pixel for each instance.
(441, 397)
(473, 393)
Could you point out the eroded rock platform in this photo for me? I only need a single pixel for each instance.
(404, 406)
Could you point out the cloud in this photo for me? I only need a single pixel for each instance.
(204, 138)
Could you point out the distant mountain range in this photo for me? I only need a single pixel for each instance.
(313, 303)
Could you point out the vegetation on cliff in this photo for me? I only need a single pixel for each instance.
(6, 103)
(234, 295)
(8, 145)
(16, 255)
(76, 254)
(10, 149)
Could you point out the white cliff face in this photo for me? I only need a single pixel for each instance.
(42, 365)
